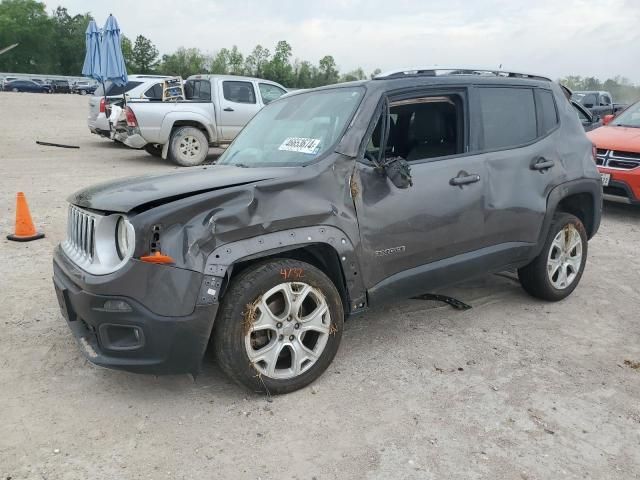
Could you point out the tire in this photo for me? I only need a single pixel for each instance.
(557, 270)
(188, 147)
(15, 90)
(83, 92)
(234, 337)
(153, 149)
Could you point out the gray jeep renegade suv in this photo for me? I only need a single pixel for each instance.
(331, 201)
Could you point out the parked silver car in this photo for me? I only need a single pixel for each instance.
(216, 109)
(141, 87)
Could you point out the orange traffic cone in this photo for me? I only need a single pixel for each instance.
(25, 231)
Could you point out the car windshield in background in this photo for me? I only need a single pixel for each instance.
(113, 90)
(294, 130)
(629, 118)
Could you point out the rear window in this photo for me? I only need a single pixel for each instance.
(239, 92)
(548, 113)
(199, 90)
(113, 90)
(155, 92)
(508, 116)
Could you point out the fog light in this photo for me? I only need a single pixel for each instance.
(117, 306)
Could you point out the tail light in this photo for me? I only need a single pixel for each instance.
(102, 105)
(132, 121)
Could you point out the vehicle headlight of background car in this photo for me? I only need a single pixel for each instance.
(98, 243)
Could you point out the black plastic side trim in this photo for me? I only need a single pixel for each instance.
(449, 271)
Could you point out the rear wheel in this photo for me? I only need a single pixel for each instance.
(188, 146)
(153, 149)
(279, 326)
(557, 270)
(83, 92)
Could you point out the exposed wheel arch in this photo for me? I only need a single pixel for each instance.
(322, 256)
(191, 123)
(582, 206)
(325, 247)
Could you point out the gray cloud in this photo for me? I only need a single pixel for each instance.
(552, 37)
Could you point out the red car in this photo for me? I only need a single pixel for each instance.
(618, 155)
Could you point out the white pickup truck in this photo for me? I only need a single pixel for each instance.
(216, 109)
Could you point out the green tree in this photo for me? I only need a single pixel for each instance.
(328, 70)
(236, 61)
(357, 74)
(68, 42)
(279, 68)
(305, 74)
(256, 62)
(144, 55)
(26, 23)
(375, 73)
(184, 62)
(220, 62)
(127, 52)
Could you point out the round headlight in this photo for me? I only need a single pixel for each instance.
(124, 237)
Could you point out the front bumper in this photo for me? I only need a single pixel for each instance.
(135, 339)
(624, 185)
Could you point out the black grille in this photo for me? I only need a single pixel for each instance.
(618, 153)
(599, 161)
(627, 165)
(601, 151)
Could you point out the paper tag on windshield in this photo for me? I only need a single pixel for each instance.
(301, 145)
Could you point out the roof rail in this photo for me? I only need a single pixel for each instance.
(436, 70)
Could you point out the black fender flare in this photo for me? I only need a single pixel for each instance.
(220, 262)
(592, 186)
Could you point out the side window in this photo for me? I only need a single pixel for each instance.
(547, 111)
(508, 116)
(422, 128)
(199, 90)
(239, 92)
(269, 93)
(154, 93)
(589, 100)
(605, 100)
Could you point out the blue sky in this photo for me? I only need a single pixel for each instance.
(551, 37)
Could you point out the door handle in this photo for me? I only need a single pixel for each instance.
(464, 178)
(228, 109)
(542, 164)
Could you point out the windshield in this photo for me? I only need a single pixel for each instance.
(629, 118)
(296, 130)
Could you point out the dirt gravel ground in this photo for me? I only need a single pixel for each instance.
(511, 389)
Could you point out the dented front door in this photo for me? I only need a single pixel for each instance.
(440, 216)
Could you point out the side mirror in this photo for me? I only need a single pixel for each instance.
(607, 119)
(398, 171)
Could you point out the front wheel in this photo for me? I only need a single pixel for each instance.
(557, 270)
(279, 326)
(188, 147)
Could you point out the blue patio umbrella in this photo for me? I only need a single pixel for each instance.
(112, 67)
(91, 67)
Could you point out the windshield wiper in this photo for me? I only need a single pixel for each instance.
(241, 165)
(624, 125)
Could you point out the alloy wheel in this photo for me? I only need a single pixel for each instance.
(288, 330)
(565, 257)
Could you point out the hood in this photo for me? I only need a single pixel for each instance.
(610, 137)
(137, 192)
